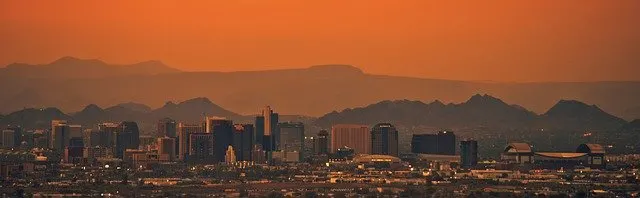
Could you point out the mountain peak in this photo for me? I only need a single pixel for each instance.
(572, 107)
(70, 60)
(198, 100)
(484, 99)
(92, 107)
(336, 68)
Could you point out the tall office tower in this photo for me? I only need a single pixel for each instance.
(17, 135)
(267, 125)
(167, 127)
(384, 139)
(230, 155)
(258, 155)
(259, 133)
(7, 139)
(442, 143)
(243, 141)
(468, 153)
(90, 137)
(200, 147)
(106, 133)
(59, 136)
(167, 145)
(323, 142)
(74, 152)
(291, 137)
(184, 131)
(309, 147)
(222, 130)
(357, 137)
(446, 143)
(75, 130)
(127, 137)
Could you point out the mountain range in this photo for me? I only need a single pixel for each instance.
(480, 111)
(71, 84)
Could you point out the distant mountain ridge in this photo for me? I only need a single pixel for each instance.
(311, 91)
(71, 67)
(190, 111)
(480, 111)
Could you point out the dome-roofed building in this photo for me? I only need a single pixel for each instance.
(589, 155)
(520, 153)
(377, 161)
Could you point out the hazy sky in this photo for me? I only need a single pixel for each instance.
(537, 40)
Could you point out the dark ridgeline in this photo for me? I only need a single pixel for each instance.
(442, 143)
(468, 153)
(479, 110)
(323, 142)
(243, 141)
(384, 139)
(310, 84)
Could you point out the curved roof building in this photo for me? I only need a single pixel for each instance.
(363, 159)
(518, 148)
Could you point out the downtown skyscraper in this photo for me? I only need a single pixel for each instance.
(384, 139)
(267, 129)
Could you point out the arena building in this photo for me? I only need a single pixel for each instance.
(586, 155)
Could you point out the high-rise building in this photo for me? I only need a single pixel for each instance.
(230, 155)
(7, 139)
(75, 130)
(258, 155)
(384, 139)
(200, 147)
(167, 127)
(243, 141)
(222, 130)
(17, 135)
(267, 126)
(59, 136)
(442, 143)
(290, 137)
(167, 145)
(357, 137)
(323, 142)
(259, 130)
(106, 134)
(74, 153)
(127, 137)
(468, 153)
(184, 131)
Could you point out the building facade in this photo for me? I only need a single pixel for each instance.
(357, 137)
(384, 139)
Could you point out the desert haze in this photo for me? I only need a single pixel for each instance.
(72, 83)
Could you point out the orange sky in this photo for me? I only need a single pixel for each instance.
(586, 40)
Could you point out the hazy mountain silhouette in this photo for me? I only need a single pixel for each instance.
(192, 110)
(571, 114)
(71, 67)
(34, 118)
(310, 91)
(135, 107)
(633, 127)
(479, 111)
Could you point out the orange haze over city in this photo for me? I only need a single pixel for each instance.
(512, 41)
